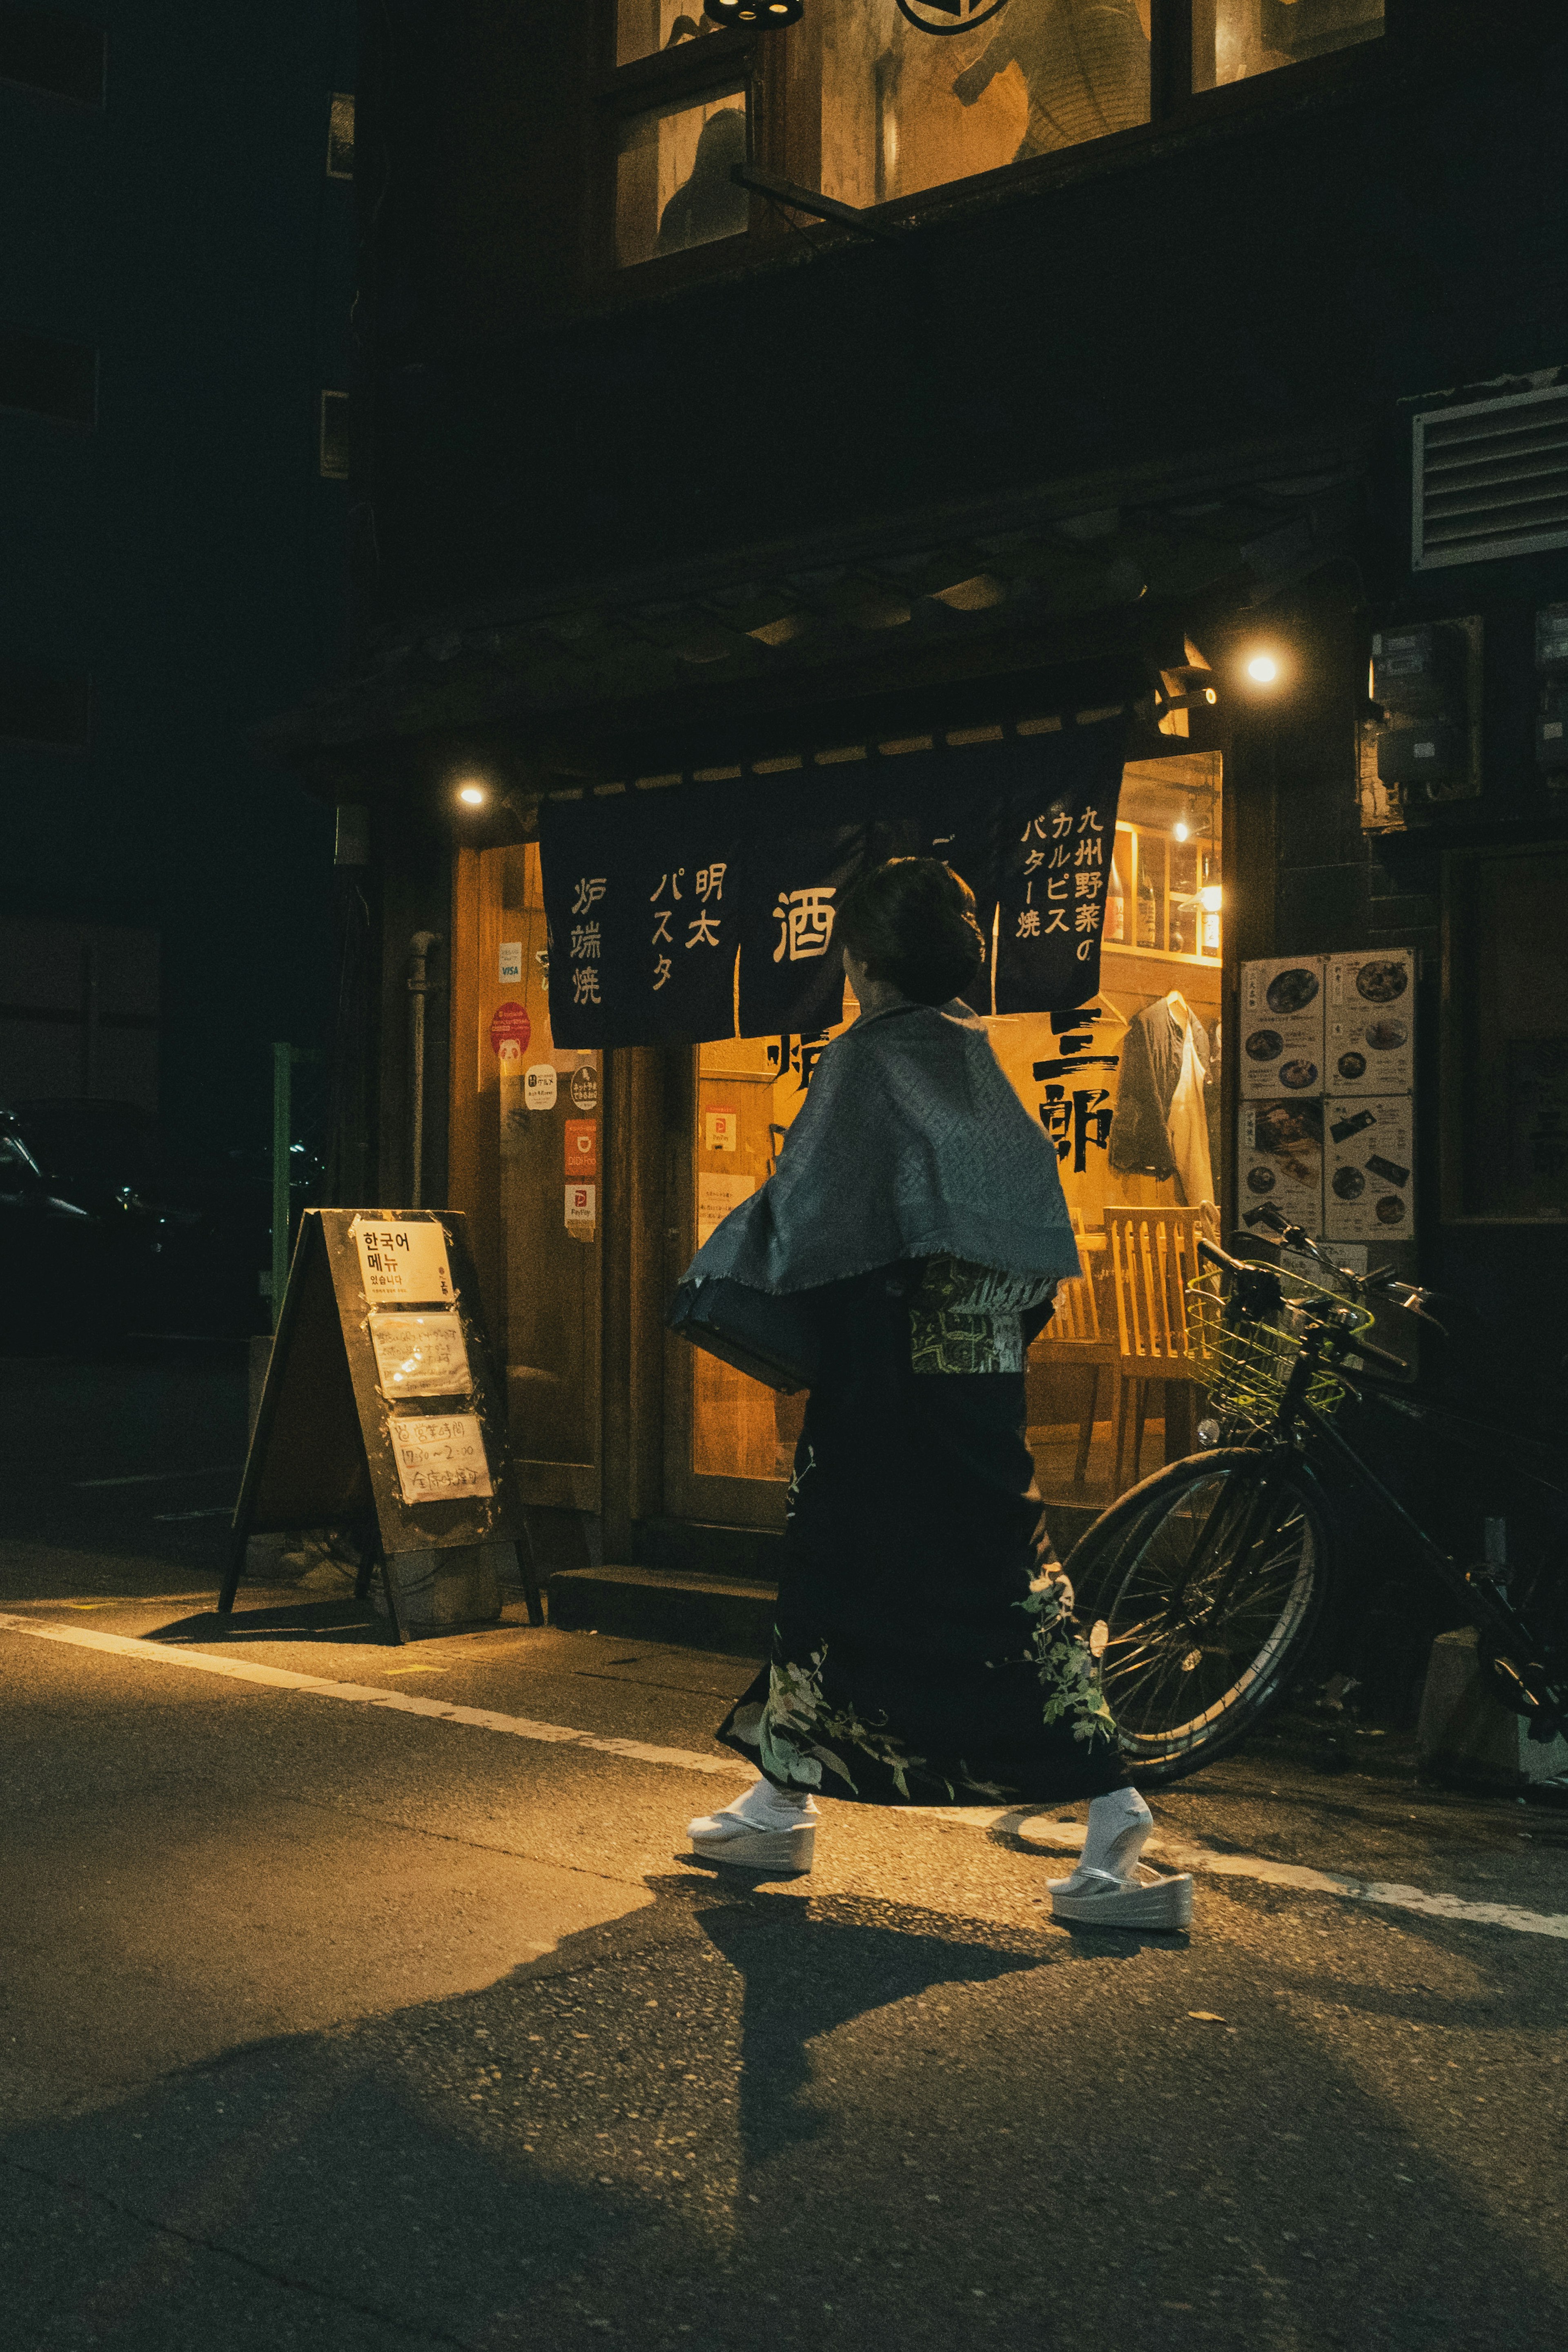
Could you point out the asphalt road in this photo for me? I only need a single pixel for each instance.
(339, 2020)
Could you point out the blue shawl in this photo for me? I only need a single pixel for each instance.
(910, 1144)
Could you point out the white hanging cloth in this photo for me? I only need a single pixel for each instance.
(1187, 1122)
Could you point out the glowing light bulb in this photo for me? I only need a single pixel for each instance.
(471, 795)
(1180, 828)
(1264, 669)
(1208, 899)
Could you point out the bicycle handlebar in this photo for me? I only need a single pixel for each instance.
(1356, 1345)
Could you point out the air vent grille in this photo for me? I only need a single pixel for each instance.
(1491, 478)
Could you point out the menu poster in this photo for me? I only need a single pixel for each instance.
(421, 1355)
(1282, 1026)
(1371, 1146)
(1369, 1044)
(1281, 1159)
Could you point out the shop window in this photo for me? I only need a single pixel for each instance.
(1129, 1093)
(340, 138)
(1232, 40)
(1505, 1076)
(645, 27)
(546, 1107)
(45, 49)
(900, 105)
(48, 378)
(334, 436)
(672, 183)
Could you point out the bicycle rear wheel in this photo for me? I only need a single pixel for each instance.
(1203, 1588)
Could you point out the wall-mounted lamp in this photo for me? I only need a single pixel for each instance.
(1262, 669)
(471, 795)
(1181, 828)
(1210, 898)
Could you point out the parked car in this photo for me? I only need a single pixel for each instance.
(104, 1230)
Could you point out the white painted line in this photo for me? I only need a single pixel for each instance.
(244, 1670)
(1065, 1837)
(158, 1477)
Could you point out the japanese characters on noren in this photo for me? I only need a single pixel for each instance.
(702, 929)
(1077, 856)
(585, 941)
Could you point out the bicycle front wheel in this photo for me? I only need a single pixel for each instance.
(1203, 1588)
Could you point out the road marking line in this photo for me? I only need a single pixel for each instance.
(124, 1645)
(160, 1477)
(1065, 1837)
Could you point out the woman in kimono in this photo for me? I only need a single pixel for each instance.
(923, 1650)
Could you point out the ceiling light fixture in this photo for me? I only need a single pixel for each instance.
(770, 16)
(473, 796)
(1263, 669)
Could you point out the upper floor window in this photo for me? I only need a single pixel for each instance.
(1233, 39)
(865, 102)
(340, 137)
(43, 48)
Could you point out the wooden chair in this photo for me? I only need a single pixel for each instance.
(1154, 1257)
(1074, 1335)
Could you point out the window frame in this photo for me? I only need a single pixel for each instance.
(761, 62)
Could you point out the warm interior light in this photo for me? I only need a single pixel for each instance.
(471, 795)
(1180, 828)
(1264, 669)
(1208, 897)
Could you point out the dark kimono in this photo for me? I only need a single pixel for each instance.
(918, 1655)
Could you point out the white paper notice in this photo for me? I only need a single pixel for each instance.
(511, 962)
(440, 1456)
(421, 1355)
(1370, 1044)
(402, 1261)
(1282, 1026)
(539, 1086)
(716, 1196)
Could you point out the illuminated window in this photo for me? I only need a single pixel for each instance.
(903, 106)
(340, 138)
(672, 183)
(1244, 37)
(645, 27)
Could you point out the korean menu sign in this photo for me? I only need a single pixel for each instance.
(690, 914)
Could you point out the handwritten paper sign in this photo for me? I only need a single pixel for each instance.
(716, 1196)
(421, 1355)
(402, 1260)
(440, 1456)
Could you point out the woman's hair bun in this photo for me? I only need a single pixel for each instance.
(912, 921)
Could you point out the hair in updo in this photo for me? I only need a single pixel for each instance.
(912, 921)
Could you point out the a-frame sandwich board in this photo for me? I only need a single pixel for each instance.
(381, 1411)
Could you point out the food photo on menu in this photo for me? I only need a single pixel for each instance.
(1282, 1158)
(1369, 1040)
(1282, 1027)
(1370, 1155)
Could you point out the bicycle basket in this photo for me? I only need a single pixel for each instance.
(1248, 1358)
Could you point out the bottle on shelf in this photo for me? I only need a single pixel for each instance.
(1148, 908)
(1115, 904)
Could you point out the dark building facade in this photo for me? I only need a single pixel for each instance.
(742, 411)
(174, 294)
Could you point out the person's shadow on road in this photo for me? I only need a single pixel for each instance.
(809, 1965)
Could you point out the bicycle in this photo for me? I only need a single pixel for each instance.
(1206, 1587)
